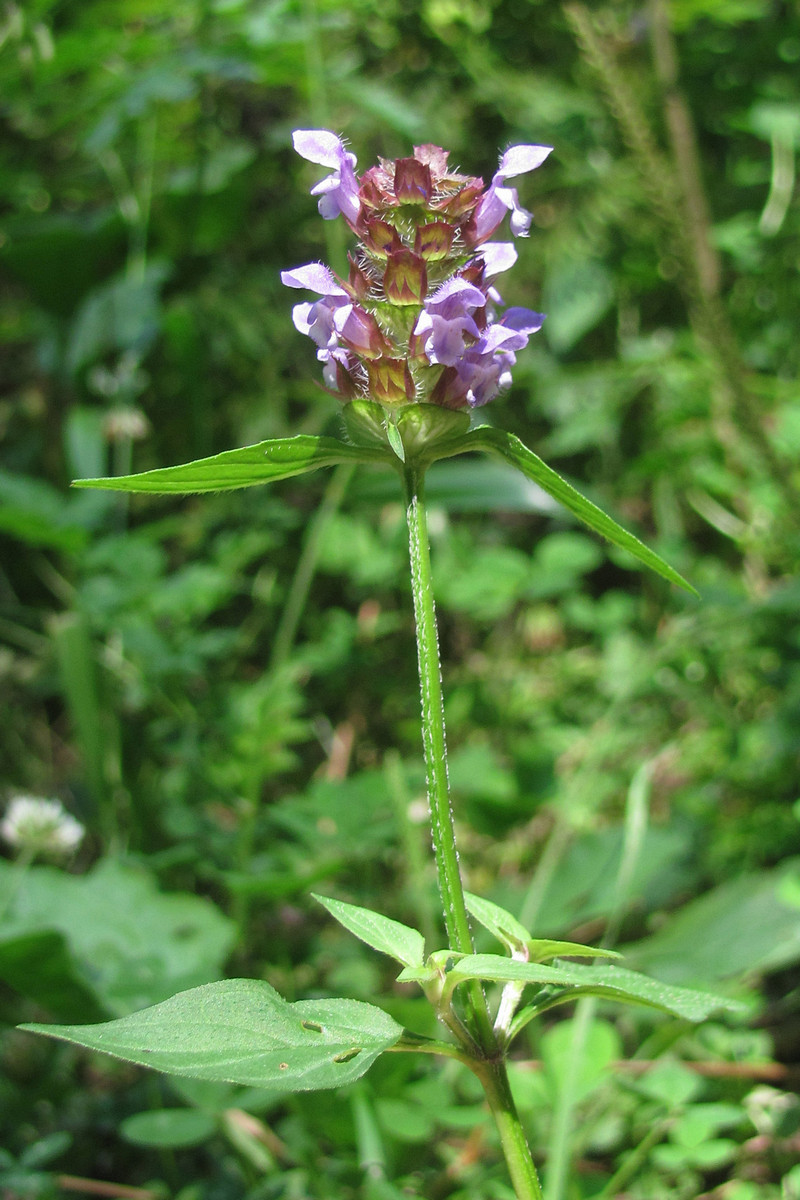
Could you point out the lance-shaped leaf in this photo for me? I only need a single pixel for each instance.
(505, 927)
(242, 1031)
(382, 933)
(518, 941)
(497, 441)
(263, 463)
(615, 983)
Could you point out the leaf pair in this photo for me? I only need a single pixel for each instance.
(407, 946)
(420, 434)
(241, 1031)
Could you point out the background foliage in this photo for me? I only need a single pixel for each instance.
(223, 688)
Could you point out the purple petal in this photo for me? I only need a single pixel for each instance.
(301, 317)
(497, 257)
(520, 217)
(518, 160)
(443, 339)
(321, 146)
(314, 276)
(339, 192)
(525, 320)
(454, 297)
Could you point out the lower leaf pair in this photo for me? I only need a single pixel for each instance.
(242, 1031)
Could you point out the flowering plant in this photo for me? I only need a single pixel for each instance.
(36, 826)
(411, 342)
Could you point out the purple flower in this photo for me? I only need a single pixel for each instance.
(317, 319)
(485, 367)
(498, 200)
(339, 192)
(497, 257)
(383, 335)
(447, 318)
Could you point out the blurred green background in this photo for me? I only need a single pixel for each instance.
(223, 690)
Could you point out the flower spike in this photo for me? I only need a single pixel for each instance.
(420, 291)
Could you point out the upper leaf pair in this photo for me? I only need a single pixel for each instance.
(412, 439)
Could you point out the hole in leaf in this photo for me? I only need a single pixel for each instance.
(346, 1055)
(283, 1066)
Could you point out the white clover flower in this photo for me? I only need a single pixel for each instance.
(40, 826)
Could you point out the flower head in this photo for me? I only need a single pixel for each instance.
(38, 826)
(416, 321)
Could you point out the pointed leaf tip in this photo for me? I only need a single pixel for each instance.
(264, 462)
(514, 451)
(390, 937)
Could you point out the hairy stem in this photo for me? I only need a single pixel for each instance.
(443, 833)
(483, 1056)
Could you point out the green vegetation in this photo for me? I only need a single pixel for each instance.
(222, 688)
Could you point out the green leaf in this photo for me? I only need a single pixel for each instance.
(745, 924)
(422, 432)
(249, 465)
(171, 1128)
(128, 943)
(612, 982)
(543, 949)
(502, 924)
(390, 937)
(37, 963)
(517, 939)
(513, 450)
(428, 430)
(242, 1031)
(395, 440)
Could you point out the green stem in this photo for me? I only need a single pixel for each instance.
(485, 1059)
(443, 833)
(494, 1077)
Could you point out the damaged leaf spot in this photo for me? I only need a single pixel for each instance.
(346, 1055)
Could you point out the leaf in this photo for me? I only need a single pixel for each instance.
(577, 296)
(242, 1031)
(249, 465)
(502, 924)
(37, 963)
(745, 924)
(36, 513)
(390, 937)
(513, 450)
(612, 982)
(428, 431)
(128, 942)
(168, 1128)
(542, 949)
(516, 938)
(395, 440)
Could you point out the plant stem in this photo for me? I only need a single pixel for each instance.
(494, 1077)
(486, 1060)
(443, 834)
